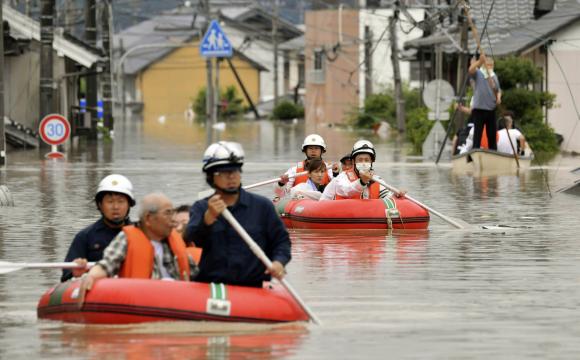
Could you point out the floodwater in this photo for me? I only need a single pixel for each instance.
(438, 294)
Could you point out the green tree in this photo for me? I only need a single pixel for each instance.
(287, 110)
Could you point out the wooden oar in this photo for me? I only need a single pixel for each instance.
(460, 224)
(511, 144)
(206, 193)
(266, 261)
(8, 267)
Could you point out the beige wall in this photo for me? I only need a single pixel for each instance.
(331, 101)
(563, 117)
(21, 87)
(170, 85)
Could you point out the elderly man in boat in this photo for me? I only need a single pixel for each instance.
(358, 183)
(225, 257)
(114, 199)
(150, 249)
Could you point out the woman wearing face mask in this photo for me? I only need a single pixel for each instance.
(357, 183)
(313, 187)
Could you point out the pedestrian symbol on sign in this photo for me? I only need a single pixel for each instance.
(215, 43)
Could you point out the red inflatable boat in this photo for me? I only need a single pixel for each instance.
(385, 213)
(124, 301)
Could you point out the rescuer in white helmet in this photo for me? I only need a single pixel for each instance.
(114, 199)
(313, 147)
(357, 183)
(225, 257)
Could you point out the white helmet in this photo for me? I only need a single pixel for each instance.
(117, 184)
(363, 147)
(314, 140)
(223, 154)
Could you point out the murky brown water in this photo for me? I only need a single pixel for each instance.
(439, 294)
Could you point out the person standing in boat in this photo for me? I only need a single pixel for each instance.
(150, 249)
(357, 183)
(313, 188)
(486, 97)
(509, 134)
(313, 147)
(225, 257)
(114, 199)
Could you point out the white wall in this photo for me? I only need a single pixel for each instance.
(382, 74)
(563, 117)
(262, 53)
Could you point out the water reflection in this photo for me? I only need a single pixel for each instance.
(175, 340)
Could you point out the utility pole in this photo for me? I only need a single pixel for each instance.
(106, 74)
(91, 38)
(399, 99)
(2, 134)
(368, 62)
(46, 80)
(209, 92)
(463, 60)
(275, 42)
(216, 95)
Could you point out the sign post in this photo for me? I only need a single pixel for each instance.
(54, 129)
(215, 44)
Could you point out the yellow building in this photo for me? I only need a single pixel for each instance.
(169, 86)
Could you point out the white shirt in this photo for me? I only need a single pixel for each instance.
(306, 190)
(503, 144)
(468, 143)
(343, 187)
(282, 191)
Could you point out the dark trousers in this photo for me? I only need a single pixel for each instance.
(481, 118)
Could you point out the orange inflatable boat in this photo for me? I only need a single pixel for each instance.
(124, 301)
(395, 213)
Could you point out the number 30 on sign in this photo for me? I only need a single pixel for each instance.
(54, 129)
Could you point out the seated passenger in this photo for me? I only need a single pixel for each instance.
(518, 141)
(114, 199)
(346, 163)
(313, 188)
(150, 249)
(313, 147)
(357, 183)
(181, 218)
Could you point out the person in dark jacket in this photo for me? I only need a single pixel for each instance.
(226, 258)
(114, 199)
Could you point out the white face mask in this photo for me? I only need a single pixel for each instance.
(363, 167)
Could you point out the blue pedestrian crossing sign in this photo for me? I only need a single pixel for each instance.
(215, 43)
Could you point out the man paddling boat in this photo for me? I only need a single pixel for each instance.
(114, 199)
(358, 182)
(225, 257)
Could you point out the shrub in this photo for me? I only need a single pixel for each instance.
(287, 110)
(516, 76)
(230, 104)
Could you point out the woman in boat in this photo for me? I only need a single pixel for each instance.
(313, 147)
(114, 199)
(358, 183)
(313, 188)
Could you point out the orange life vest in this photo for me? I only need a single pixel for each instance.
(194, 252)
(304, 178)
(374, 188)
(138, 262)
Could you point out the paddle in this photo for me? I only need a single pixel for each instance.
(209, 192)
(266, 261)
(460, 224)
(8, 267)
(511, 144)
